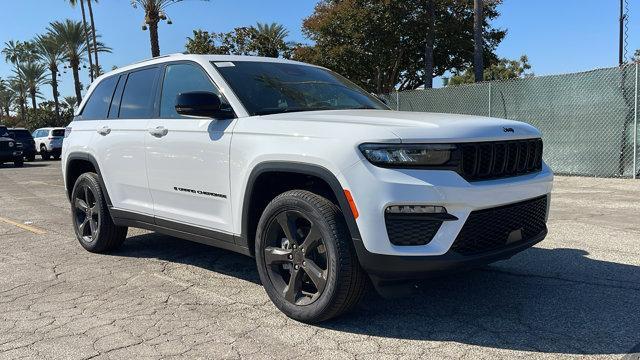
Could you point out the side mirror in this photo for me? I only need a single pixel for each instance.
(199, 103)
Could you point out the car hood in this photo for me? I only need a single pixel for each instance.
(421, 126)
(3, 139)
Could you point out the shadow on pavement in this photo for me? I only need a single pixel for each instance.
(551, 301)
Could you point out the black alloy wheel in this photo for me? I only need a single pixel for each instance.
(92, 222)
(296, 257)
(86, 213)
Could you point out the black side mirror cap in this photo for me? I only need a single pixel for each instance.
(199, 103)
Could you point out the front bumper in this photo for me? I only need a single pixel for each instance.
(392, 268)
(374, 189)
(11, 155)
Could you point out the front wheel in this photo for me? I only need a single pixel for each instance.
(92, 222)
(18, 162)
(305, 257)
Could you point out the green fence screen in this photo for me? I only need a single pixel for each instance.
(588, 120)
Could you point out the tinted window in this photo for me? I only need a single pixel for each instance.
(20, 134)
(139, 94)
(57, 132)
(97, 105)
(269, 88)
(181, 78)
(117, 96)
(3, 131)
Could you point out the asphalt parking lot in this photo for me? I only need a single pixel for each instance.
(577, 294)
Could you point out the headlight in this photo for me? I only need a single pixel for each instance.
(10, 143)
(412, 155)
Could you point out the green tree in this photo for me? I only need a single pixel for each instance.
(18, 87)
(382, 44)
(235, 42)
(503, 69)
(268, 39)
(34, 75)
(86, 34)
(260, 40)
(51, 52)
(6, 98)
(71, 36)
(154, 12)
(70, 102)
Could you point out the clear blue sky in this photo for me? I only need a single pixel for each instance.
(559, 36)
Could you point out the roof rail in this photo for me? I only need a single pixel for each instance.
(157, 57)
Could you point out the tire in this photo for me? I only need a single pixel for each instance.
(44, 153)
(56, 157)
(31, 157)
(18, 163)
(89, 209)
(339, 282)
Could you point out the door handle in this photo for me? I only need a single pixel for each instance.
(159, 131)
(104, 130)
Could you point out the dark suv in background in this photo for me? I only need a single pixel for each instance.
(23, 136)
(10, 150)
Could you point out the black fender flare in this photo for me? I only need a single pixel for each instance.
(305, 169)
(85, 157)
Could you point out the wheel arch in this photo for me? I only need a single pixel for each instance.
(249, 222)
(78, 163)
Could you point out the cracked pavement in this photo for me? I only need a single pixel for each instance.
(575, 295)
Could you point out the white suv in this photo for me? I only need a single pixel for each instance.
(294, 165)
(49, 142)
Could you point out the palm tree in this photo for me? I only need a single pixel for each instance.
(17, 52)
(18, 87)
(478, 20)
(269, 39)
(71, 36)
(33, 75)
(6, 97)
(51, 52)
(97, 70)
(86, 35)
(70, 102)
(154, 12)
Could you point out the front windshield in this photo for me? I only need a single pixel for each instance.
(270, 88)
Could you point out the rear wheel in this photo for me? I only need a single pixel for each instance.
(92, 223)
(305, 258)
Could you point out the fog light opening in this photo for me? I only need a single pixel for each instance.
(416, 209)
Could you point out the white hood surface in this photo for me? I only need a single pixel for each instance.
(421, 126)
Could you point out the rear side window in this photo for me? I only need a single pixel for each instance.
(97, 105)
(22, 134)
(57, 132)
(139, 94)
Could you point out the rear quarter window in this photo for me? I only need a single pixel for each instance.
(97, 106)
(57, 132)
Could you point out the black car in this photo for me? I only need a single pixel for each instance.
(10, 150)
(23, 136)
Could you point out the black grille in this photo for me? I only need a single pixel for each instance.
(492, 229)
(410, 230)
(493, 160)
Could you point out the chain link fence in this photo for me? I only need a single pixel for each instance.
(589, 120)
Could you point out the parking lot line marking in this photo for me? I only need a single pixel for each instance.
(33, 229)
